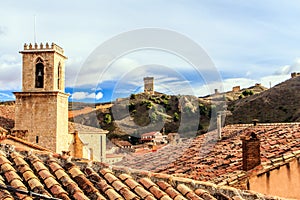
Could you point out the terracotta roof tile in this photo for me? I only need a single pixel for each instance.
(172, 192)
(65, 178)
(206, 158)
(7, 167)
(144, 194)
(204, 194)
(153, 188)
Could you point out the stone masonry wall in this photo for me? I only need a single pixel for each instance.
(63, 138)
(36, 112)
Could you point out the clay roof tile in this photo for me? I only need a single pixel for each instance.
(7, 167)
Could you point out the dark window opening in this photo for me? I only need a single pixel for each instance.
(36, 139)
(39, 74)
(59, 76)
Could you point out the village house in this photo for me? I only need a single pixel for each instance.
(155, 137)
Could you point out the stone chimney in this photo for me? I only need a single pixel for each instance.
(255, 121)
(219, 125)
(251, 151)
(77, 146)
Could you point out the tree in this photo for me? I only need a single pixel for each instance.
(176, 117)
(133, 96)
(247, 93)
(107, 118)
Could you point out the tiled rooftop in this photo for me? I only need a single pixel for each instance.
(61, 177)
(208, 159)
(83, 129)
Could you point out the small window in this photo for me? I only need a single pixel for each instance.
(36, 139)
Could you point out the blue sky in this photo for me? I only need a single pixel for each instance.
(248, 41)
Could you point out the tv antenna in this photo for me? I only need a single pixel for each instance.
(34, 31)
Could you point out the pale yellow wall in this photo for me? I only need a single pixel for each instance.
(283, 182)
(96, 142)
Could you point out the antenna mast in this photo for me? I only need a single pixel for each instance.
(34, 32)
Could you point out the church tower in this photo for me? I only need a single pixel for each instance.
(42, 106)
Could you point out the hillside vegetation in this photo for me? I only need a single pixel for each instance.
(142, 113)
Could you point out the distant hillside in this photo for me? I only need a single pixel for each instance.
(7, 114)
(237, 93)
(278, 104)
(142, 113)
(145, 109)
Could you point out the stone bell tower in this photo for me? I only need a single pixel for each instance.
(42, 106)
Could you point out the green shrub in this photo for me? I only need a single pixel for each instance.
(107, 118)
(176, 117)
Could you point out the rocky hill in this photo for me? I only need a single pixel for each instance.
(281, 103)
(142, 113)
(7, 114)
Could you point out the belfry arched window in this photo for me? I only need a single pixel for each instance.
(59, 76)
(39, 73)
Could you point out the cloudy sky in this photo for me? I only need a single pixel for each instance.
(246, 42)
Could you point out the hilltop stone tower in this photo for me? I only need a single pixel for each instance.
(149, 85)
(42, 106)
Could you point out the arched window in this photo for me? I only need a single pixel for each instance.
(59, 76)
(39, 73)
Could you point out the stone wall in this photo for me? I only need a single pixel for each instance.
(44, 118)
(63, 138)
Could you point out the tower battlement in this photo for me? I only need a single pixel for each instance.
(35, 47)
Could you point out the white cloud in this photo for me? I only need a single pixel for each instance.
(10, 72)
(99, 95)
(86, 95)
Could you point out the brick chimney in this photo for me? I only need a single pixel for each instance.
(251, 151)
